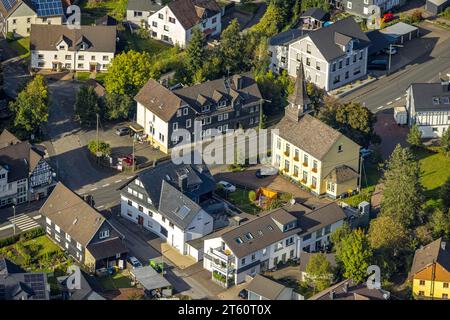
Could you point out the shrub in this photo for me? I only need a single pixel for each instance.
(252, 196)
(286, 197)
(103, 147)
(31, 234)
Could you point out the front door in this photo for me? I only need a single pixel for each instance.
(141, 220)
(93, 67)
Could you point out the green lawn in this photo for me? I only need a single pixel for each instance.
(134, 42)
(21, 46)
(43, 244)
(369, 180)
(240, 199)
(82, 76)
(117, 280)
(92, 10)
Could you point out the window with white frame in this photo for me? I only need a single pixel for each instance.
(49, 222)
(57, 228)
(103, 234)
(79, 247)
(185, 111)
(68, 237)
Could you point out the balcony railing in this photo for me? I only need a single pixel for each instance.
(224, 255)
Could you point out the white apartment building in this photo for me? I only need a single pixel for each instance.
(428, 106)
(362, 7)
(174, 22)
(17, 16)
(279, 49)
(90, 48)
(167, 201)
(332, 56)
(262, 243)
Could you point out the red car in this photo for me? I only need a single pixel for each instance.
(388, 17)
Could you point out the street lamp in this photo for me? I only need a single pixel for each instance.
(390, 54)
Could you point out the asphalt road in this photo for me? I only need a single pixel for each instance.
(387, 91)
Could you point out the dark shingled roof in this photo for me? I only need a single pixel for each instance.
(216, 89)
(265, 287)
(265, 231)
(432, 252)
(327, 39)
(72, 214)
(19, 159)
(286, 37)
(191, 12)
(177, 207)
(99, 38)
(144, 5)
(348, 290)
(423, 94)
(315, 13)
(309, 134)
(107, 248)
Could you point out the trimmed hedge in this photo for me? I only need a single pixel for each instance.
(25, 236)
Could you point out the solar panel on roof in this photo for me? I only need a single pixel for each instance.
(36, 281)
(47, 8)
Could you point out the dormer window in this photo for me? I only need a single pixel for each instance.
(206, 108)
(249, 236)
(435, 100)
(103, 234)
(82, 46)
(289, 226)
(62, 47)
(222, 103)
(239, 241)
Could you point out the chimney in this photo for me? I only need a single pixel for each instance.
(331, 295)
(238, 82)
(183, 182)
(345, 288)
(443, 245)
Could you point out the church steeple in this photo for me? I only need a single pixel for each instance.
(299, 102)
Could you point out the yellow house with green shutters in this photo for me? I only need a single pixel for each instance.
(430, 271)
(312, 153)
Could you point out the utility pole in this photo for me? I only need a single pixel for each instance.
(132, 160)
(360, 172)
(97, 135)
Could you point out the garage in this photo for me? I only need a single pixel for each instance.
(401, 32)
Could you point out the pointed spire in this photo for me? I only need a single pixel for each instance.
(299, 100)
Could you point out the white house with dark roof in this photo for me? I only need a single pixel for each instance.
(167, 200)
(90, 48)
(268, 240)
(428, 106)
(174, 22)
(362, 7)
(332, 56)
(17, 16)
(279, 48)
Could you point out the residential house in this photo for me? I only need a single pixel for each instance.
(314, 18)
(279, 48)
(138, 11)
(430, 271)
(167, 200)
(332, 56)
(428, 106)
(313, 154)
(437, 6)
(305, 258)
(349, 290)
(362, 7)
(263, 288)
(222, 104)
(90, 48)
(82, 231)
(83, 292)
(17, 16)
(271, 239)
(175, 22)
(18, 284)
(25, 174)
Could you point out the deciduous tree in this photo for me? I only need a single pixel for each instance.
(319, 272)
(87, 106)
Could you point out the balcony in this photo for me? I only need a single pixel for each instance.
(224, 255)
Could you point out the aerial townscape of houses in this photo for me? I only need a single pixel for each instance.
(158, 221)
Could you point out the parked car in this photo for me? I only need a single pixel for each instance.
(388, 17)
(265, 172)
(227, 186)
(377, 65)
(390, 50)
(123, 131)
(135, 263)
(128, 160)
(243, 294)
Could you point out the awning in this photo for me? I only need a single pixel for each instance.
(149, 278)
(136, 127)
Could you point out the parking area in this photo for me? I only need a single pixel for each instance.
(391, 134)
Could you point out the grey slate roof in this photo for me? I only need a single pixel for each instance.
(378, 41)
(107, 248)
(427, 255)
(265, 287)
(286, 37)
(199, 179)
(17, 284)
(20, 159)
(341, 174)
(309, 134)
(266, 232)
(325, 38)
(315, 13)
(214, 90)
(348, 290)
(144, 5)
(99, 38)
(423, 94)
(177, 207)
